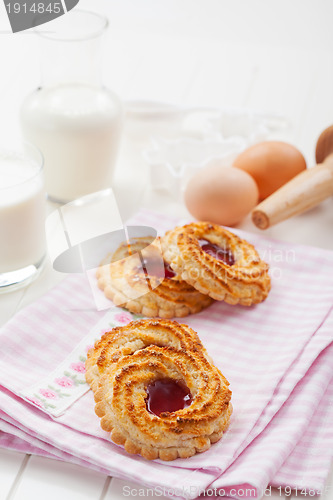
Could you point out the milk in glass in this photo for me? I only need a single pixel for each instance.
(22, 213)
(77, 127)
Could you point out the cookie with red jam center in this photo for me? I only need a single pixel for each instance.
(217, 262)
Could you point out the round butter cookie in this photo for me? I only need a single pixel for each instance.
(138, 279)
(217, 262)
(158, 393)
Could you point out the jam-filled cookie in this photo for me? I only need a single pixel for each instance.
(217, 262)
(156, 390)
(138, 279)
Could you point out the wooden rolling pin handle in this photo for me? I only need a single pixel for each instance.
(303, 192)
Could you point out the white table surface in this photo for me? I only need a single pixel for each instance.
(267, 55)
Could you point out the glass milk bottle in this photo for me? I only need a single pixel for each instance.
(72, 118)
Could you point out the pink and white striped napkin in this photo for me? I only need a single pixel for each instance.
(277, 357)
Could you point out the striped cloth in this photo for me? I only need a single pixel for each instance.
(277, 357)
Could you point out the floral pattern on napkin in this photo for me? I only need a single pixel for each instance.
(67, 383)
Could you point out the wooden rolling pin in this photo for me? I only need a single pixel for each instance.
(304, 191)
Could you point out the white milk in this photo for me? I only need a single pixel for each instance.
(77, 128)
(22, 213)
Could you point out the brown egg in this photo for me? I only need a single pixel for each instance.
(219, 194)
(271, 164)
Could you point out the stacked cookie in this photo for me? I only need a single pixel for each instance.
(139, 279)
(184, 272)
(157, 392)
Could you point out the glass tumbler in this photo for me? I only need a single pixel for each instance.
(22, 216)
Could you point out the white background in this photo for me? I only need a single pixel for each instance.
(267, 55)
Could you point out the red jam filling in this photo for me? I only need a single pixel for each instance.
(169, 273)
(217, 252)
(154, 268)
(167, 395)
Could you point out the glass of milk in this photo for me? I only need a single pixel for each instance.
(22, 216)
(72, 118)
